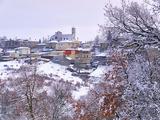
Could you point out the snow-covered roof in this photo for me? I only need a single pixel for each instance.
(101, 54)
(42, 53)
(53, 41)
(47, 49)
(84, 49)
(65, 41)
(41, 44)
(70, 49)
(69, 58)
(10, 51)
(22, 48)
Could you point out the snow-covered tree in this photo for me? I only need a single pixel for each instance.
(138, 23)
(136, 20)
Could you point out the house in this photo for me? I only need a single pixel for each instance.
(59, 36)
(23, 51)
(70, 53)
(52, 54)
(80, 57)
(57, 53)
(83, 58)
(27, 43)
(55, 56)
(12, 54)
(63, 45)
(9, 44)
(88, 44)
(58, 57)
(51, 45)
(9, 55)
(100, 58)
(40, 47)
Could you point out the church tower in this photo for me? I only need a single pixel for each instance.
(74, 32)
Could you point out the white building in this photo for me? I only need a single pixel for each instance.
(23, 51)
(59, 36)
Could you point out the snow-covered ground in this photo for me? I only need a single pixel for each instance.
(56, 71)
(6, 66)
(98, 74)
(101, 70)
(81, 92)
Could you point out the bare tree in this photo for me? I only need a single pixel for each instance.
(37, 103)
(26, 85)
(60, 106)
(8, 100)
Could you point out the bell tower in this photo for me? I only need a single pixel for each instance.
(74, 32)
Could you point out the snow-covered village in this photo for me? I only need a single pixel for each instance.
(80, 60)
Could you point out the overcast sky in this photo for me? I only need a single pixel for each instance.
(38, 18)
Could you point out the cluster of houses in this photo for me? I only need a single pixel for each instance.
(60, 48)
(64, 49)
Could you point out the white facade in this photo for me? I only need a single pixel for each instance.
(59, 36)
(23, 50)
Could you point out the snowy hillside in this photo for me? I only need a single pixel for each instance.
(56, 71)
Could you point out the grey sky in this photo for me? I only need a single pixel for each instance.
(38, 18)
